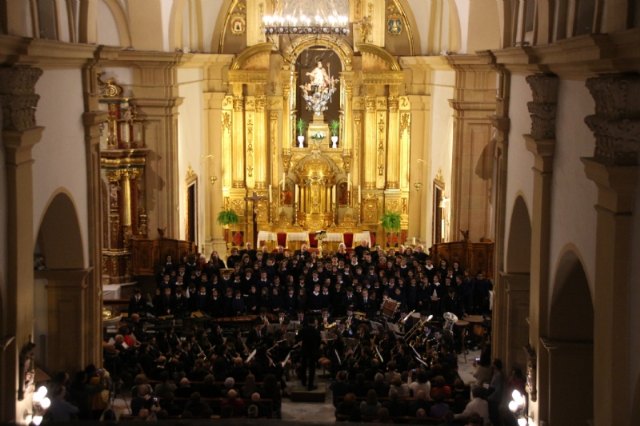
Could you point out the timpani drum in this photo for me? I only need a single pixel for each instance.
(477, 328)
(389, 307)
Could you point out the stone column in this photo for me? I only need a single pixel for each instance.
(614, 169)
(19, 134)
(238, 139)
(541, 143)
(93, 294)
(501, 123)
(369, 144)
(347, 114)
(393, 151)
(250, 139)
(218, 141)
(261, 144)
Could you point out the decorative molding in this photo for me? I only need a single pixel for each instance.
(18, 97)
(542, 109)
(575, 57)
(616, 123)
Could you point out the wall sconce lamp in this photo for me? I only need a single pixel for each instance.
(518, 406)
(417, 186)
(213, 179)
(40, 405)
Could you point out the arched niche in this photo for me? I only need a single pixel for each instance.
(59, 237)
(60, 289)
(512, 294)
(570, 344)
(519, 244)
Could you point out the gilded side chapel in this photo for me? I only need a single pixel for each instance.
(503, 133)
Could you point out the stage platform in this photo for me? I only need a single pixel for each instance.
(299, 393)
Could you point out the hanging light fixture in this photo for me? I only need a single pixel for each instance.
(298, 17)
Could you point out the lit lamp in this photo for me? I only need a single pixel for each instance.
(40, 405)
(518, 406)
(308, 17)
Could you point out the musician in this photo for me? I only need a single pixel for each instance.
(234, 258)
(290, 302)
(137, 304)
(237, 304)
(180, 304)
(310, 352)
(257, 333)
(366, 305)
(252, 300)
(338, 300)
(276, 303)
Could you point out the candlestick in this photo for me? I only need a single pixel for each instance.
(269, 193)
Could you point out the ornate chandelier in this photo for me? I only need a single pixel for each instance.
(308, 17)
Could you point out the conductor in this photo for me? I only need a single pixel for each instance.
(310, 352)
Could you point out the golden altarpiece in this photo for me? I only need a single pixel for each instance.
(123, 158)
(315, 165)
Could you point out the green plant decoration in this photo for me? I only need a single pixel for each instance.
(301, 125)
(227, 217)
(334, 127)
(391, 221)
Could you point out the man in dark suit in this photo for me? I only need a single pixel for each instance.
(137, 303)
(310, 352)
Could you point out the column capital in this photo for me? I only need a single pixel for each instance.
(18, 97)
(616, 184)
(543, 108)
(616, 123)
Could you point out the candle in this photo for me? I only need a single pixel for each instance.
(349, 181)
(414, 241)
(333, 195)
(296, 193)
(269, 193)
(359, 194)
(284, 177)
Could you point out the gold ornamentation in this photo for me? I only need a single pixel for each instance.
(238, 24)
(109, 88)
(226, 121)
(405, 122)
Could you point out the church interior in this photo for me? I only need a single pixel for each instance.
(507, 130)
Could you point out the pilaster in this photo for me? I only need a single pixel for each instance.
(218, 128)
(541, 143)
(614, 170)
(19, 134)
(474, 103)
(93, 121)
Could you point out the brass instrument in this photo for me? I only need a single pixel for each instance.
(416, 328)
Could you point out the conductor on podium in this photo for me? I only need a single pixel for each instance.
(310, 352)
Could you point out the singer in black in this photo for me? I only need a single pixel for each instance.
(310, 352)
